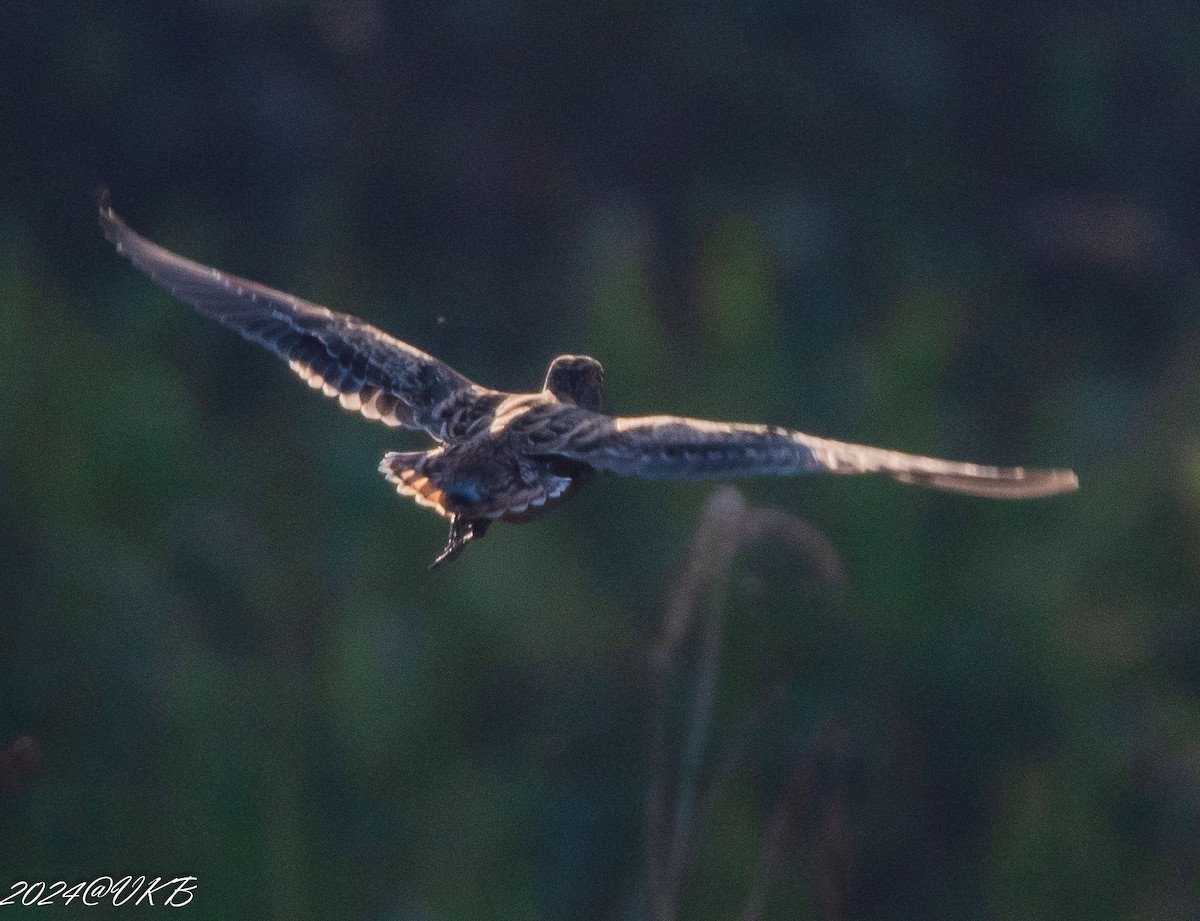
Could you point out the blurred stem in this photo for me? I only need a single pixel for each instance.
(703, 586)
(731, 756)
(708, 669)
(830, 884)
(714, 544)
(772, 850)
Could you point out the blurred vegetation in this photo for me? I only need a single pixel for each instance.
(965, 230)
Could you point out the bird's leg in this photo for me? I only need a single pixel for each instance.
(462, 532)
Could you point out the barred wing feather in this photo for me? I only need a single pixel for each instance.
(364, 367)
(669, 447)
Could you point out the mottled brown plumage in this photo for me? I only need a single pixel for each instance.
(511, 457)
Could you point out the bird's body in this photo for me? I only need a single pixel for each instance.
(512, 457)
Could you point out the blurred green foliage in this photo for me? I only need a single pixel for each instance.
(966, 231)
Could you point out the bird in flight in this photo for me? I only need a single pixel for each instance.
(514, 456)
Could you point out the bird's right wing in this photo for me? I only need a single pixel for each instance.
(364, 367)
(670, 447)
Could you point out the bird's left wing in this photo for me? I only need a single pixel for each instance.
(365, 368)
(669, 447)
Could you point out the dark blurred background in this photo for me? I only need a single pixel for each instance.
(967, 230)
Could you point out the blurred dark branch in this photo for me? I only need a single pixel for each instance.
(727, 525)
(1097, 230)
(786, 817)
(19, 761)
(732, 755)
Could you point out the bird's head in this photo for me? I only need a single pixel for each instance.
(576, 379)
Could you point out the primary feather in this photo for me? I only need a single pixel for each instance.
(340, 355)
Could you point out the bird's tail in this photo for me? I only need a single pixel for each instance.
(414, 474)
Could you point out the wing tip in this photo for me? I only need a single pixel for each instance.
(116, 231)
(1045, 483)
(102, 198)
(1068, 479)
(1016, 483)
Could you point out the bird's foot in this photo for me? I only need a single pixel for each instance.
(462, 532)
